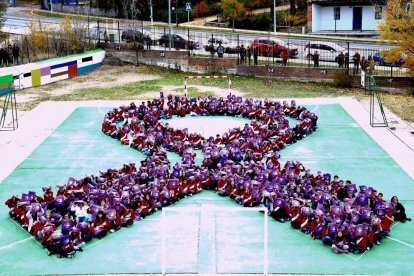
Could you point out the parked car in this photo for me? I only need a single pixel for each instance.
(273, 47)
(214, 42)
(178, 42)
(381, 60)
(134, 36)
(328, 51)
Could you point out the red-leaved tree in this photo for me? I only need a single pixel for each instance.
(200, 9)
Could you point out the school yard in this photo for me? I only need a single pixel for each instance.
(60, 136)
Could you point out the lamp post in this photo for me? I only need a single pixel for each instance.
(151, 12)
(274, 15)
(176, 12)
(169, 24)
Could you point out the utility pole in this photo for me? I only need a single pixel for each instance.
(274, 15)
(152, 15)
(176, 12)
(234, 12)
(169, 24)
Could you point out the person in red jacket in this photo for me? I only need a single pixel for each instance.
(340, 243)
(385, 227)
(296, 217)
(76, 238)
(12, 203)
(222, 185)
(48, 194)
(100, 225)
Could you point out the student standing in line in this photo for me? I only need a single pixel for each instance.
(249, 54)
(255, 55)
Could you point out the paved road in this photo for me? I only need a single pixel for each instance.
(18, 18)
(17, 21)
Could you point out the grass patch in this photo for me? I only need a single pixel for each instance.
(402, 105)
(76, 17)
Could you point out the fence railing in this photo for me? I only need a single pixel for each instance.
(246, 48)
(260, 50)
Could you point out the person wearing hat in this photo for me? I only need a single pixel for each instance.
(12, 203)
(385, 229)
(48, 194)
(61, 190)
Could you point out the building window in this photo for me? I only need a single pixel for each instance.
(337, 13)
(378, 12)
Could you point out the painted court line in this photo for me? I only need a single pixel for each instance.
(14, 243)
(348, 255)
(357, 259)
(395, 224)
(315, 108)
(31, 237)
(407, 244)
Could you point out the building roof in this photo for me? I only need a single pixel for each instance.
(348, 2)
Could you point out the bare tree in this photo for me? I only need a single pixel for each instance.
(131, 11)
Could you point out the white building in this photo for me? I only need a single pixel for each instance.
(349, 16)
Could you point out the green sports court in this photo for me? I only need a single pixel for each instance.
(207, 242)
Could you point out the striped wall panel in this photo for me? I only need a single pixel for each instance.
(6, 84)
(44, 72)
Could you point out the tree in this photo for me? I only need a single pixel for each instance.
(398, 28)
(233, 9)
(200, 9)
(3, 9)
(131, 11)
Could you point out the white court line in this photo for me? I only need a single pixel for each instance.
(92, 244)
(357, 259)
(348, 255)
(387, 237)
(336, 156)
(316, 108)
(395, 224)
(14, 243)
(407, 244)
(31, 237)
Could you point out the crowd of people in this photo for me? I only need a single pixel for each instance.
(242, 163)
(9, 55)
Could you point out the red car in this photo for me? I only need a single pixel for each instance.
(272, 47)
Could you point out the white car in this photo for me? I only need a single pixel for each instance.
(214, 42)
(328, 51)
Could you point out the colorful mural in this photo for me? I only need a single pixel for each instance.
(51, 70)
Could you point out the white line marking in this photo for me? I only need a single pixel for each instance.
(31, 237)
(348, 255)
(13, 243)
(357, 259)
(92, 244)
(316, 108)
(407, 244)
(395, 224)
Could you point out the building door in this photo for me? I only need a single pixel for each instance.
(357, 19)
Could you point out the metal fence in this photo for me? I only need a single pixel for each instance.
(246, 48)
(258, 50)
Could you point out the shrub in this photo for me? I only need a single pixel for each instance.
(136, 46)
